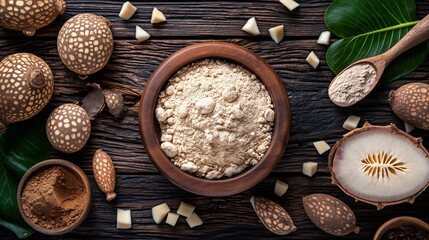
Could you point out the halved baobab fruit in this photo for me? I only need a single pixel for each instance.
(380, 165)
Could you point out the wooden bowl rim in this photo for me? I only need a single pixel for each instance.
(51, 163)
(399, 221)
(252, 62)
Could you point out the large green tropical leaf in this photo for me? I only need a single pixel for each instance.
(21, 146)
(371, 27)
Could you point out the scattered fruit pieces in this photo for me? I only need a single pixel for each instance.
(321, 147)
(277, 33)
(104, 173)
(172, 219)
(251, 27)
(330, 214)
(324, 38)
(408, 127)
(351, 122)
(123, 219)
(194, 220)
(157, 16)
(159, 212)
(141, 35)
(127, 11)
(272, 215)
(68, 128)
(185, 209)
(94, 101)
(280, 188)
(313, 60)
(309, 168)
(290, 4)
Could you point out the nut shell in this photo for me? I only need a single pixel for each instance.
(104, 173)
(330, 214)
(85, 43)
(411, 104)
(26, 86)
(68, 128)
(273, 216)
(28, 16)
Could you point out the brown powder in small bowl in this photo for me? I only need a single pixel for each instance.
(54, 197)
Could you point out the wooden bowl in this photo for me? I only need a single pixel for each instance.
(149, 127)
(52, 163)
(400, 221)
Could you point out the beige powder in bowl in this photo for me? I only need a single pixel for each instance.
(216, 119)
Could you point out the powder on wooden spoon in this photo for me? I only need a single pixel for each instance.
(352, 85)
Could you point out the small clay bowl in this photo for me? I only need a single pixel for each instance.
(400, 221)
(52, 163)
(151, 134)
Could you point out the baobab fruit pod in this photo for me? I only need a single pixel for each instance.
(104, 173)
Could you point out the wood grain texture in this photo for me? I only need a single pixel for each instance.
(139, 184)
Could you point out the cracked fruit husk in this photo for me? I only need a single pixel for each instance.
(380, 165)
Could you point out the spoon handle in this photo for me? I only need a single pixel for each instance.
(418, 34)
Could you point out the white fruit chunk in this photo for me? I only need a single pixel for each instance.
(277, 33)
(309, 168)
(351, 122)
(194, 220)
(251, 27)
(324, 38)
(157, 16)
(280, 188)
(127, 11)
(123, 219)
(313, 60)
(159, 212)
(321, 147)
(408, 127)
(172, 219)
(141, 35)
(185, 209)
(290, 4)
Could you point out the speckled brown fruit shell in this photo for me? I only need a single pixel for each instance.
(367, 127)
(85, 43)
(104, 173)
(273, 216)
(68, 128)
(28, 16)
(330, 214)
(411, 104)
(26, 86)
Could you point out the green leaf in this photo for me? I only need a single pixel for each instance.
(21, 146)
(371, 27)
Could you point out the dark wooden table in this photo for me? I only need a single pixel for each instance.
(140, 186)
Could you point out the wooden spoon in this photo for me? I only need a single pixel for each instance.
(418, 34)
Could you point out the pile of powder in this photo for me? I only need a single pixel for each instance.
(352, 85)
(216, 119)
(54, 197)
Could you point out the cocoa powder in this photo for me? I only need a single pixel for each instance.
(54, 197)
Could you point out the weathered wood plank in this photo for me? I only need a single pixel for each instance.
(314, 117)
(227, 217)
(203, 19)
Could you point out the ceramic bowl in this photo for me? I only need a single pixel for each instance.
(52, 163)
(400, 221)
(149, 127)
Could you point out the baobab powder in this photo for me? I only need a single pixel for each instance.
(54, 197)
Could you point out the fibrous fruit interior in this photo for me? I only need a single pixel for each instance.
(380, 165)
